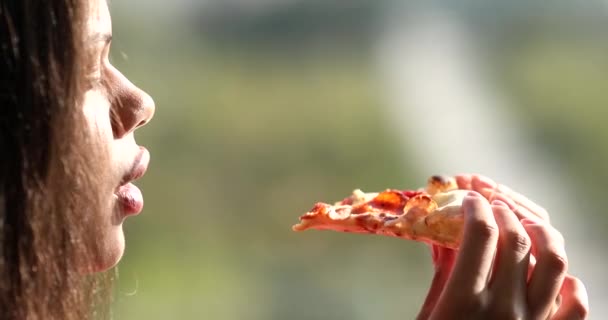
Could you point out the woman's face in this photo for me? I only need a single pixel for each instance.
(115, 108)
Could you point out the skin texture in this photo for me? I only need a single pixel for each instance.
(114, 108)
(519, 260)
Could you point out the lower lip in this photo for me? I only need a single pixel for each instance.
(130, 199)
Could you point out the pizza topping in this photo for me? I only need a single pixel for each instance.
(449, 199)
(411, 193)
(362, 208)
(358, 197)
(423, 201)
(390, 200)
(339, 213)
(347, 200)
(437, 184)
(318, 208)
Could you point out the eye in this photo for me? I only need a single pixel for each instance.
(94, 78)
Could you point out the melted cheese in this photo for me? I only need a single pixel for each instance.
(446, 201)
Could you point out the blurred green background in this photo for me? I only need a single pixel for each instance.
(265, 107)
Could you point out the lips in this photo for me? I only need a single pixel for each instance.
(139, 167)
(129, 196)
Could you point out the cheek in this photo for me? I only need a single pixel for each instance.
(96, 109)
(106, 233)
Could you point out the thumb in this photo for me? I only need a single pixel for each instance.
(443, 260)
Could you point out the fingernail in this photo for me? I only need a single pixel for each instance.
(484, 182)
(527, 221)
(473, 194)
(499, 203)
(506, 200)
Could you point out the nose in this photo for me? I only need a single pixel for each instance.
(131, 107)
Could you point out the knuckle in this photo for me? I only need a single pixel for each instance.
(556, 261)
(485, 230)
(517, 241)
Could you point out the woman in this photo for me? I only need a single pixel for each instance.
(67, 156)
(67, 120)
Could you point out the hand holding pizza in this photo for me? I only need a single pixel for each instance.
(498, 260)
(490, 276)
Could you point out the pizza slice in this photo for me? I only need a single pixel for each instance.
(432, 214)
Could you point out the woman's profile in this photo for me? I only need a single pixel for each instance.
(68, 156)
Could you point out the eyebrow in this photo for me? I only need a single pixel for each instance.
(103, 37)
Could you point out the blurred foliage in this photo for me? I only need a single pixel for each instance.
(296, 23)
(558, 79)
(247, 137)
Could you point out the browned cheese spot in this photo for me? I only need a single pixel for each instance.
(390, 200)
(439, 183)
(319, 209)
(421, 201)
(360, 209)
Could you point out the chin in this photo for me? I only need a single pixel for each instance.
(109, 240)
(111, 250)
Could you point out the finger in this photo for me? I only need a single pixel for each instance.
(494, 191)
(474, 261)
(524, 202)
(551, 267)
(531, 266)
(532, 263)
(575, 303)
(443, 259)
(464, 181)
(484, 186)
(524, 213)
(509, 280)
(520, 211)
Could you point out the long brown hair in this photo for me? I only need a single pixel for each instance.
(51, 186)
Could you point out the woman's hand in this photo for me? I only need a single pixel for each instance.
(489, 277)
(523, 207)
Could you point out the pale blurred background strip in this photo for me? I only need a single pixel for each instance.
(443, 106)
